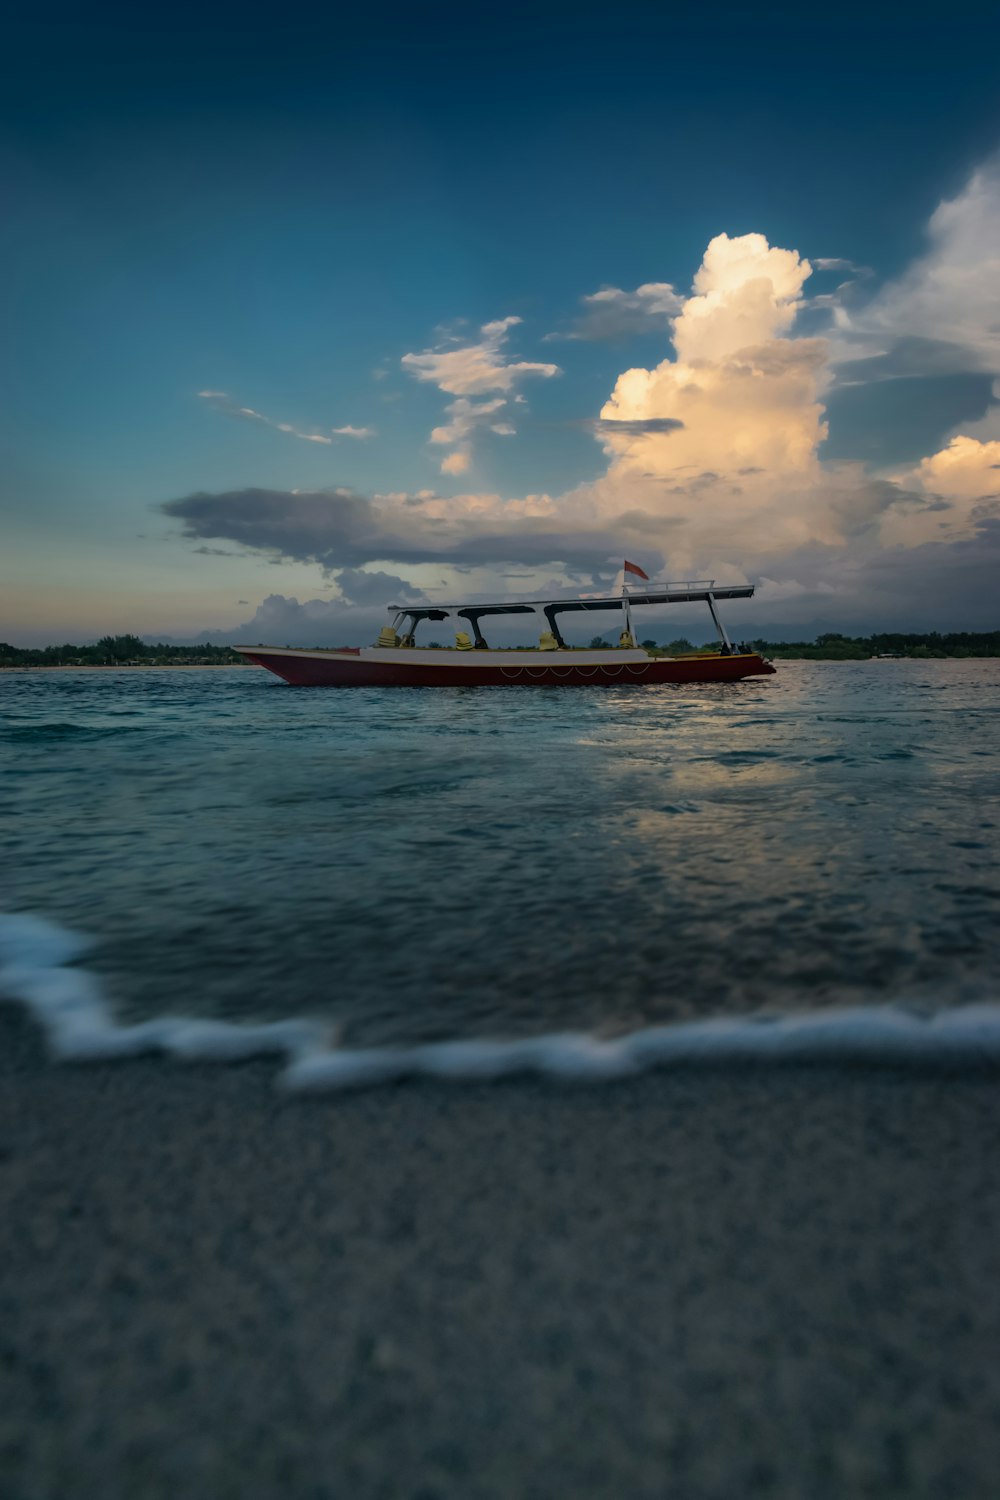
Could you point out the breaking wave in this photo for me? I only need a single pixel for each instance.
(39, 969)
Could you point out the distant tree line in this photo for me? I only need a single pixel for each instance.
(119, 651)
(130, 651)
(834, 647)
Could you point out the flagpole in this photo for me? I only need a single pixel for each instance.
(627, 607)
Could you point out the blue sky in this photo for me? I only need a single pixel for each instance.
(281, 207)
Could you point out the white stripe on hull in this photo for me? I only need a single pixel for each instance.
(415, 656)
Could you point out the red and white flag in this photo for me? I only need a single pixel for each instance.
(633, 568)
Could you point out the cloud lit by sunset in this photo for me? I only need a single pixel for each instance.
(713, 456)
(728, 382)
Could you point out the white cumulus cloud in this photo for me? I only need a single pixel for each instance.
(721, 440)
(470, 370)
(478, 368)
(465, 416)
(948, 496)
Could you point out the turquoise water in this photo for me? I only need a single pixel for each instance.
(509, 861)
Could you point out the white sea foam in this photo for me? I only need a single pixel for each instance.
(79, 1022)
(38, 968)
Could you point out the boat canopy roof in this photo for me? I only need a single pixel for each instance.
(702, 590)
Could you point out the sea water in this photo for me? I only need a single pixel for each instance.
(384, 870)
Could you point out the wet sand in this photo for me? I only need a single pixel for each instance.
(725, 1283)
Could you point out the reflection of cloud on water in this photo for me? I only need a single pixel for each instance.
(708, 774)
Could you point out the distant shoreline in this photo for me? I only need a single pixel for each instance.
(125, 652)
(242, 666)
(173, 666)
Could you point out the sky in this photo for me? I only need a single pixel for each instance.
(307, 313)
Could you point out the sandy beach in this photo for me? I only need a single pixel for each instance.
(720, 1283)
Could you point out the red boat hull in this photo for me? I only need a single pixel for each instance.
(351, 669)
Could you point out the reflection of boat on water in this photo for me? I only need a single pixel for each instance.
(397, 661)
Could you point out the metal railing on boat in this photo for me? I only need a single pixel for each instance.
(662, 586)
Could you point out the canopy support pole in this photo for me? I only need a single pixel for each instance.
(550, 614)
(726, 642)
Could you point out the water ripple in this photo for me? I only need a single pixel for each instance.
(511, 861)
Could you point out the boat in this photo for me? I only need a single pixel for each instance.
(395, 660)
